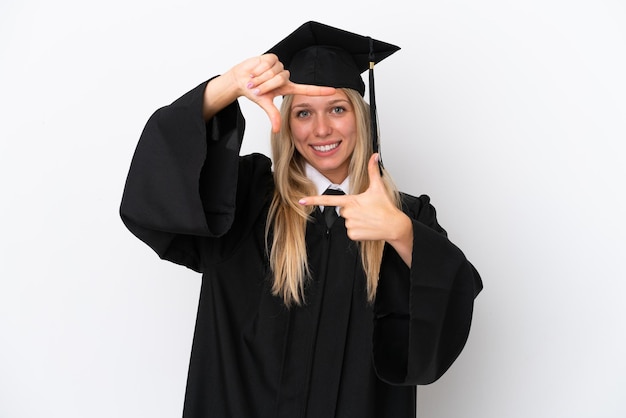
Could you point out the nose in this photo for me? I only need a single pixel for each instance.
(322, 126)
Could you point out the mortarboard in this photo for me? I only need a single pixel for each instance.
(322, 55)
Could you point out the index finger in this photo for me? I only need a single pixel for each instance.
(324, 200)
(309, 90)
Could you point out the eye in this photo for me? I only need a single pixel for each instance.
(338, 109)
(302, 114)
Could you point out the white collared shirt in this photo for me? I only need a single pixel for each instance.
(322, 183)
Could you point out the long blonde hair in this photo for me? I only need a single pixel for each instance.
(286, 226)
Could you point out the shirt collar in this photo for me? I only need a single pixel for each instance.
(322, 183)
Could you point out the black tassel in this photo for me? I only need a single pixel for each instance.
(373, 113)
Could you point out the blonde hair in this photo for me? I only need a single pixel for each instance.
(286, 222)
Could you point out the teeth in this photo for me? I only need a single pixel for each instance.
(326, 148)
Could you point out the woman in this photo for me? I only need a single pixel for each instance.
(297, 317)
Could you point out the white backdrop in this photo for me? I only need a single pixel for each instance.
(511, 115)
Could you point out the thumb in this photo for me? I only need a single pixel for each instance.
(272, 112)
(373, 170)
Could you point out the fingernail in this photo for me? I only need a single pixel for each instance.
(256, 92)
(250, 84)
(302, 201)
(377, 158)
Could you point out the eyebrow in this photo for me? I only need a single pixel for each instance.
(331, 103)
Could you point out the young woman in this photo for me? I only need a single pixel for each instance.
(299, 317)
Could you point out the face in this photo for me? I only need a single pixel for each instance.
(324, 132)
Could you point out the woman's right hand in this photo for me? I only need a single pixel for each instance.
(260, 79)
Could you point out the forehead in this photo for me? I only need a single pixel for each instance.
(302, 100)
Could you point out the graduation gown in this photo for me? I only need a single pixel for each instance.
(192, 198)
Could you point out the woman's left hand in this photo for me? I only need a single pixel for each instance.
(372, 215)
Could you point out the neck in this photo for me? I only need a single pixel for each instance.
(322, 182)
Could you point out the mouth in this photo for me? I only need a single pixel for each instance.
(325, 148)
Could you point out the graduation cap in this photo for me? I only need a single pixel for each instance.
(322, 55)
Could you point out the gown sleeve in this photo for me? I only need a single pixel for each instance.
(423, 313)
(183, 184)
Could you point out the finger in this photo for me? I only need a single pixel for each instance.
(274, 114)
(266, 75)
(324, 200)
(275, 87)
(373, 170)
(270, 82)
(265, 67)
(309, 90)
(267, 104)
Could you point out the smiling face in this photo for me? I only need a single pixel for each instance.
(324, 132)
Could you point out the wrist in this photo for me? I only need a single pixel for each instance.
(401, 228)
(218, 94)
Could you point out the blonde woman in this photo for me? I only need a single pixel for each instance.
(312, 305)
